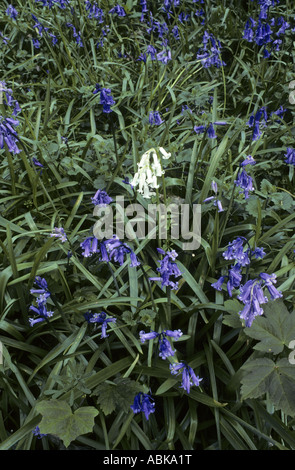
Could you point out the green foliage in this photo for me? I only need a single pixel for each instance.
(62, 374)
(59, 420)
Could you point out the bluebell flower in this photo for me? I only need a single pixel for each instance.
(100, 318)
(249, 160)
(43, 295)
(4, 38)
(36, 43)
(118, 10)
(37, 163)
(165, 349)
(175, 32)
(259, 253)
(211, 132)
(89, 246)
(76, 35)
(37, 433)
(252, 296)
(290, 156)
(155, 118)
(143, 402)
(116, 250)
(59, 233)
(269, 281)
(94, 11)
(218, 284)
(9, 100)
(217, 202)
(11, 12)
(8, 134)
(234, 278)
(101, 198)
(248, 31)
(199, 129)
(210, 57)
(245, 182)
(189, 378)
(236, 251)
(256, 122)
(168, 268)
(164, 56)
(152, 51)
(106, 98)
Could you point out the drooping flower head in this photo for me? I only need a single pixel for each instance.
(165, 349)
(149, 169)
(189, 378)
(59, 233)
(8, 134)
(101, 198)
(143, 402)
(168, 269)
(106, 98)
(100, 318)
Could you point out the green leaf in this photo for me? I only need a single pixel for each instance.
(277, 379)
(59, 420)
(274, 330)
(119, 395)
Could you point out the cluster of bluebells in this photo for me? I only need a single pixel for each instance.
(155, 118)
(8, 134)
(41, 308)
(6, 95)
(106, 98)
(50, 3)
(261, 119)
(149, 169)
(210, 53)
(266, 31)
(117, 10)
(112, 249)
(252, 295)
(76, 35)
(94, 11)
(144, 402)
(42, 29)
(11, 12)
(101, 198)
(168, 269)
(251, 292)
(101, 319)
(243, 179)
(241, 254)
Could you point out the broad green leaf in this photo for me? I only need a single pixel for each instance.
(117, 396)
(274, 330)
(277, 379)
(59, 420)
